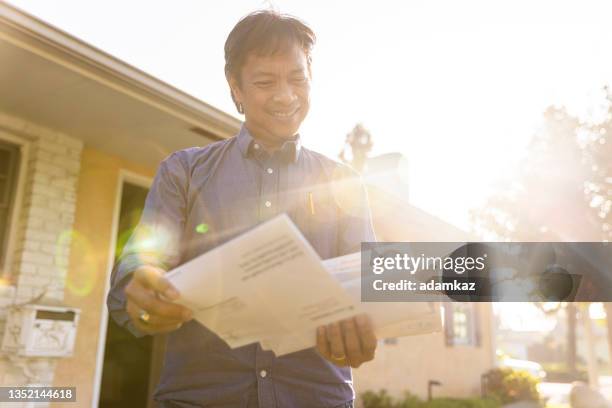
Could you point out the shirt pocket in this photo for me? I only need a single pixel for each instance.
(317, 217)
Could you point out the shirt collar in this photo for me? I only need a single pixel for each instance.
(289, 150)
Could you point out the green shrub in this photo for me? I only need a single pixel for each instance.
(409, 401)
(382, 399)
(508, 385)
(462, 403)
(558, 372)
(378, 399)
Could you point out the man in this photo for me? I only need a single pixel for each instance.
(202, 197)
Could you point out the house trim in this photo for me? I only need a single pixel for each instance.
(24, 149)
(42, 39)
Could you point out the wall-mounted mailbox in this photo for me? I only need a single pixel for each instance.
(40, 331)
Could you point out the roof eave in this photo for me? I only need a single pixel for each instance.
(43, 39)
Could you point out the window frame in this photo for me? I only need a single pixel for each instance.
(473, 325)
(23, 146)
(466, 311)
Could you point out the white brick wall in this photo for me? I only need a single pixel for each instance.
(47, 208)
(48, 211)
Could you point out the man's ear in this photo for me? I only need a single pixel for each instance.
(235, 93)
(234, 90)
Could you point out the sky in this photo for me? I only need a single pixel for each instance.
(457, 87)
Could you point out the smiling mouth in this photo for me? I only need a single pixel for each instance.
(285, 114)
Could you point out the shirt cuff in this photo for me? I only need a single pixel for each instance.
(116, 300)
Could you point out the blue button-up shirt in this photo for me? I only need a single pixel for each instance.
(202, 197)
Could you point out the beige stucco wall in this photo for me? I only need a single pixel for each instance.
(89, 264)
(413, 361)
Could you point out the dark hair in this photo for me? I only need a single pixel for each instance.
(265, 33)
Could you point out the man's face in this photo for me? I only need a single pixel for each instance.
(275, 94)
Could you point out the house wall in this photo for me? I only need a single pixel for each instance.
(90, 265)
(413, 361)
(39, 245)
(46, 210)
(61, 247)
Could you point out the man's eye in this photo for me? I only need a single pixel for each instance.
(263, 84)
(299, 80)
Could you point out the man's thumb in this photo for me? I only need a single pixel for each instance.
(154, 279)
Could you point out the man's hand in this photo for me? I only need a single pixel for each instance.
(350, 342)
(149, 306)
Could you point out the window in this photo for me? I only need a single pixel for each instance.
(461, 324)
(9, 162)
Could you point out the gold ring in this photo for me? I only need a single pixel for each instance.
(144, 317)
(340, 358)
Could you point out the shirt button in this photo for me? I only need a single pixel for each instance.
(256, 146)
(268, 204)
(263, 373)
(270, 171)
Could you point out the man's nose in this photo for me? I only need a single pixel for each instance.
(285, 94)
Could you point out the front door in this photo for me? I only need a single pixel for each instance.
(131, 365)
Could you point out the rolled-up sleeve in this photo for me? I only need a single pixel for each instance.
(156, 240)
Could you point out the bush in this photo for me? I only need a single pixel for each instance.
(462, 403)
(378, 399)
(508, 385)
(409, 401)
(382, 399)
(558, 372)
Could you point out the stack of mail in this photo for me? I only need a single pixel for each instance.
(270, 286)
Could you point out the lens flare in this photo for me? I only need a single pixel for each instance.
(348, 192)
(153, 242)
(201, 228)
(84, 275)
